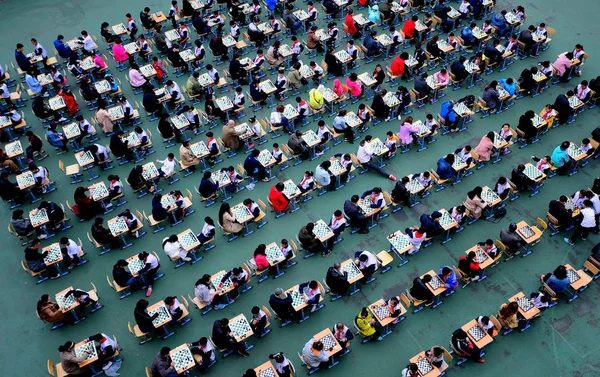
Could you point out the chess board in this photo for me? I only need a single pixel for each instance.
(180, 121)
(54, 254)
(44, 79)
(489, 196)
(381, 312)
(573, 276)
(570, 204)
(476, 332)
(461, 109)
(135, 265)
(310, 138)
(446, 219)
(5, 121)
(378, 147)
(351, 269)
(132, 140)
(502, 92)
(365, 205)
(574, 151)
(25, 180)
(414, 186)
(532, 172)
(220, 177)
(87, 64)
(115, 112)
(216, 280)
(241, 212)
(391, 100)
(399, 241)
(274, 253)
(411, 61)
(329, 342)
(40, 217)
(430, 80)
(510, 17)
(497, 139)
(524, 303)
(56, 103)
(301, 15)
(267, 86)
(480, 256)
(84, 158)
(248, 62)
(119, 29)
(471, 67)
(367, 79)
(98, 191)
(147, 70)
(436, 282)
(66, 303)
(205, 80)
(182, 358)
(396, 7)
(336, 167)
(265, 28)
(197, 4)
(352, 120)
(117, 226)
(102, 86)
(423, 129)
(343, 56)
(501, 48)
(240, 327)
(131, 48)
(360, 19)
(458, 163)
(13, 149)
(537, 120)
(289, 112)
(228, 40)
(167, 200)
(322, 35)
(539, 76)
(443, 45)
(526, 231)
(149, 171)
(419, 25)
(199, 149)
(478, 33)
(297, 298)
(384, 39)
(290, 189)
(163, 315)
(285, 50)
(74, 44)
(453, 13)
(321, 230)
(306, 71)
(224, 103)
(424, 366)
(269, 372)
(187, 55)
(266, 158)
(88, 346)
(172, 34)
(329, 95)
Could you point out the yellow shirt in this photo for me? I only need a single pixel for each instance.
(364, 327)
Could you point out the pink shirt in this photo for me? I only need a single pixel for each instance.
(99, 62)
(353, 87)
(406, 131)
(442, 80)
(119, 53)
(136, 78)
(561, 64)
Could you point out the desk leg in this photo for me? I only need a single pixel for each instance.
(278, 272)
(91, 173)
(354, 290)
(386, 331)
(447, 237)
(339, 183)
(248, 231)
(294, 206)
(303, 317)
(438, 302)
(124, 241)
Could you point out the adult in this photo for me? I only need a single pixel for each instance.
(337, 280)
(356, 218)
(486, 148)
(230, 136)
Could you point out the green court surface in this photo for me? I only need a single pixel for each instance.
(563, 342)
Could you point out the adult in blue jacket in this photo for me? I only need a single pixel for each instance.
(55, 138)
(444, 167)
(431, 224)
(499, 22)
(159, 213)
(21, 59)
(271, 4)
(254, 168)
(448, 114)
(467, 34)
(207, 187)
(64, 51)
(560, 158)
(558, 281)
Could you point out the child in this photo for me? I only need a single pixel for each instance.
(193, 117)
(70, 252)
(307, 183)
(586, 147)
(507, 135)
(416, 236)
(213, 148)
(544, 164)
(256, 129)
(132, 223)
(259, 322)
(174, 309)
(277, 153)
(238, 101)
(487, 325)
(127, 110)
(280, 84)
(253, 207)
(234, 178)
(436, 356)
(540, 300)
(207, 232)
(160, 69)
(353, 52)
(144, 140)
(115, 187)
(302, 109)
(347, 164)
(502, 188)
(114, 87)
(317, 70)
(168, 167)
(144, 47)
(287, 252)
(489, 248)
(391, 142)
(431, 123)
(458, 214)
(464, 154)
(423, 178)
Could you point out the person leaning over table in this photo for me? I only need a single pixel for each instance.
(162, 365)
(228, 221)
(469, 266)
(486, 148)
(123, 277)
(521, 181)
(343, 335)
(230, 136)
(224, 340)
(51, 312)
(22, 226)
(474, 203)
(356, 217)
(314, 354)
(35, 260)
(511, 240)
(420, 291)
(309, 240)
(557, 209)
(337, 280)
(560, 158)
(509, 314)
(70, 361)
(366, 325)
(465, 348)
(277, 198)
(282, 306)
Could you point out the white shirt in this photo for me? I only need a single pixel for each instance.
(371, 260)
(424, 181)
(502, 188)
(275, 117)
(153, 261)
(415, 240)
(281, 366)
(596, 202)
(322, 131)
(336, 223)
(5, 91)
(116, 185)
(107, 342)
(88, 43)
(191, 115)
(364, 153)
(72, 248)
(206, 229)
(464, 7)
(287, 251)
(173, 308)
(43, 51)
(127, 106)
(589, 218)
(168, 166)
(173, 249)
(175, 88)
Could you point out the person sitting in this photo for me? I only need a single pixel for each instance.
(123, 277)
(70, 361)
(282, 306)
(400, 193)
(465, 348)
(521, 181)
(444, 167)
(420, 291)
(469, 266)
(367, 263)
(142, 318)
(337, 280)
(356, 217)
(223, 339)
(206, 351)
(511, 240)
(448, 276)
(558, 280)
(431, 224)
(102, 235)
(174, 249)
(310, 242)
(343, 335)
(313, 294)
(557, 209)
(277, 198)
(51, 312)
(314, 354)
(366, 325)
(148, 272)
(254, 168)
(474, 203)
(509, 314)
(487, 325)
(489, 248)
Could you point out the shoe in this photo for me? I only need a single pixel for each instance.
(318, 154)
(71, 266)
(42, 236)
(109, 205)
(44, 189)
(379, 339)
(325, 254)
(244, 353)
(481, 361)
(55, 277)
(583, 239)
(62, 119)
(388, 119)
(569, 241)
(392, 178)
(250, 146)
(219, 307)
(137, 234)
(46, 95)
(186, 259)
(265, 180)
(475, 278)
(312, 310)
(151, 189)
(149, 292)
(107, 365)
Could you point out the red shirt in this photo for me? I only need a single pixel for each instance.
(409, 28)
(350, 25)
(261, 262)
(279, 202)
(397, 66)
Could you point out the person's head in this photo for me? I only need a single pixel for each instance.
(142, 304)
(426, 278)
(446, 271)
(171, 156)
(570, 93)
(164, 352)
(512, 227)
(565, 145)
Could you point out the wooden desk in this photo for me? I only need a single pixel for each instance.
(159, 17)
(484, 341)
(240, 328)
(584, 279)
(386, 321)
(163, 319)
(487, 262)
(265, 367)
(426, 369)
(332, 348)
(182, 358)
(322, 231)
(87, 345)
(399, 244)
(532, 312)
(529, 240)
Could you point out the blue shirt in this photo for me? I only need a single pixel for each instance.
(63, 50)
(559, 157)
(511, 89)
(557, 285)
(34, 85)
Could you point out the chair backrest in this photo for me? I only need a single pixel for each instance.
(447, 354)
(591, 267)
(50, 366)
(267, 312)
(405, 300)
(549, 290)
(110, 283)
(500, 246)
(496, 323)
(148, 372)
(542, 224)
(262, 205)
